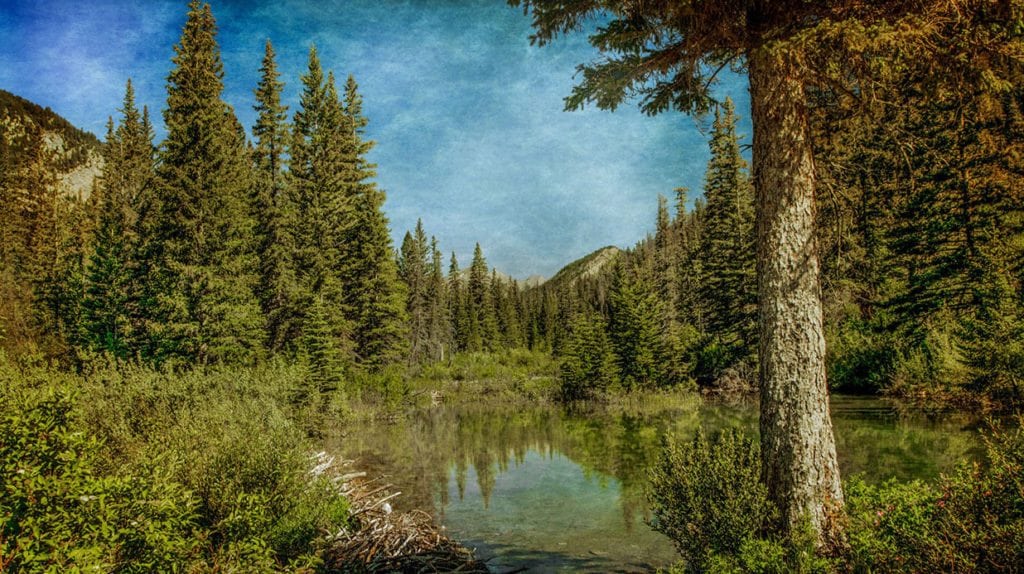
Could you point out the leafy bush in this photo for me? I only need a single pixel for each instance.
(707, 497)
(59, 514)
(971, 521)
(152, 471)
(860, 360)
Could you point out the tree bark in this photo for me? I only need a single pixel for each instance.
(798, 448)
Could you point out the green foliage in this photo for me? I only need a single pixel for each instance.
(507, 376)
(970, 521)
(160, 472)
(61, 514)
(707, 497)
(588, 361)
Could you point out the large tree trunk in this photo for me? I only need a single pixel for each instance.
(798, 448)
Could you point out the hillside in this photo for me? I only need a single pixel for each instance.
(586, 266)
(74, 156)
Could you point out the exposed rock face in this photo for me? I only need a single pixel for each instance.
(586, 266)
(74, 156)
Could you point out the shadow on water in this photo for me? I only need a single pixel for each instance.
(505, 559)
(553, 490)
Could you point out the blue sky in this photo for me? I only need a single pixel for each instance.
(468, 119)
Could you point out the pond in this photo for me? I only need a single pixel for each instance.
(547, 490)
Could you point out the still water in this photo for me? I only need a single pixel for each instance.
(547, 490)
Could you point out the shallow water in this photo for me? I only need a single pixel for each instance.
(548, 490)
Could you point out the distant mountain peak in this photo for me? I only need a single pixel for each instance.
(74, 155)
(586, 266)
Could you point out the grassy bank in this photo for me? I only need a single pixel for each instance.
(122, 468)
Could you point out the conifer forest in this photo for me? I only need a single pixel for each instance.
(216, 354)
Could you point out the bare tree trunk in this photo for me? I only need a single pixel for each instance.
(798, 448)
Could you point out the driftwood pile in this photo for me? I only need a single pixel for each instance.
(382, 540)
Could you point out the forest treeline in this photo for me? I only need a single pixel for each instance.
(210, 249)
(921, 232)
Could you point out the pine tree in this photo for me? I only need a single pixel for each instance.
(728, 249)
(689, 269)
(458, 307)
(273, 210)
(205, 310)
(324, 352)
(666, 256)
(588, 363)
(635, 331)
(112, 299)
(441, 336)
(374, 298)
(482, 329)
(413, 269)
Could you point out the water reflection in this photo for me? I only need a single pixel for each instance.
(555, 490)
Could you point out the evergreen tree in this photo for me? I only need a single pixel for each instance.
(273, 209)
(318, 196)
(728, 250)
(325, 353)
(588, 362)
(205, 311)
(688, 266)
(482, 328)
(458, 308)
(374, 298)
(112, 298)
(414, 270)
(666, 249)
(441, 336)
(635, 331)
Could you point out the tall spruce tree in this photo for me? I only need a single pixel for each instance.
(273, 209)
(440, 322)
(482, 328)
(113, 289)
(729, 289)
(414, 271)
(374, 297)
(635, 330)
(205, 310)
(318, 195)
(458, 307)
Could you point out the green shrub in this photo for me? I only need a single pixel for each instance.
(860, 360)
(60, 514)
(153, 471)
(713, 357)
(971, 521)
(707, 497)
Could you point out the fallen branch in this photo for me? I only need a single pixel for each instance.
(380, 540)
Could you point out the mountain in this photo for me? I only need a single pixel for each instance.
(533, 281)
(586, 266)
(74, 155)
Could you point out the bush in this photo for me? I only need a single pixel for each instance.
(152, 471)
(60, 514)
(971, 521)
(860, 360)
(707, 497)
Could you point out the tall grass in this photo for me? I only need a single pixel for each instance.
(123, 468)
